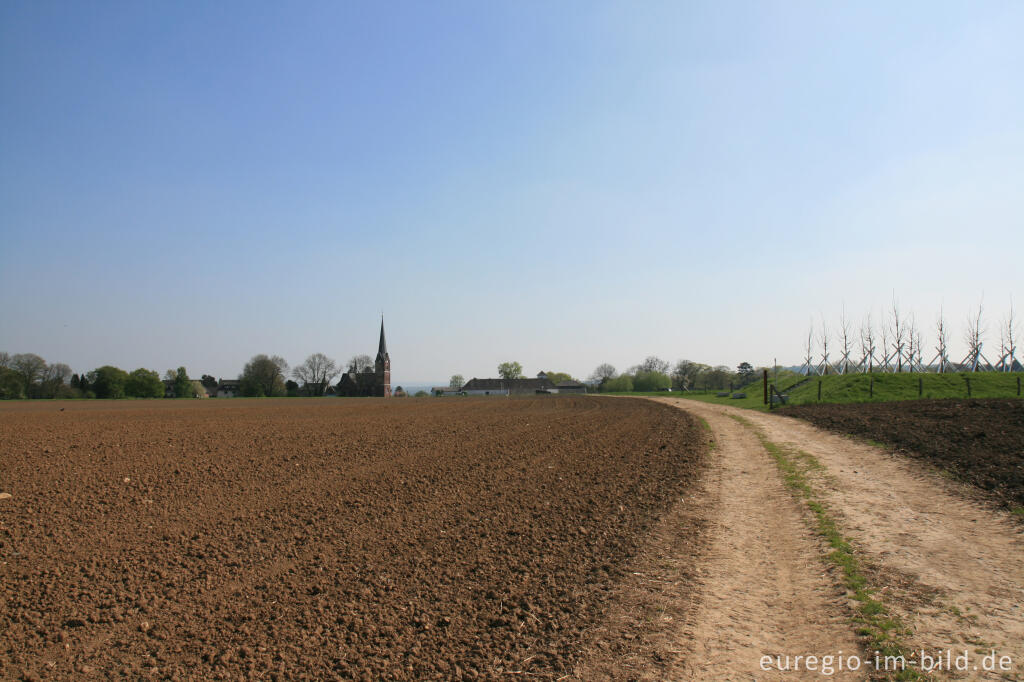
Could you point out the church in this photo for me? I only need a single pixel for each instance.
(370, 383)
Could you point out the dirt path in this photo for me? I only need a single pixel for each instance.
(952, 568)
(763, 589)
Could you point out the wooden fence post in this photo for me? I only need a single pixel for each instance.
(968, 379)
(1018, 386)
(920, 387)
(871, 387)
(766, 387)
(819, 390)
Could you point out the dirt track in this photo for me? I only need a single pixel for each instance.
(950, 567)
(763, 589)
(359, 539)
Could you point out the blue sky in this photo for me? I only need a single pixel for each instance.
(561, 184)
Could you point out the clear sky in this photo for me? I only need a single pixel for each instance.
(561, 184)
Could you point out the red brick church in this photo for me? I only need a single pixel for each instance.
(370, 383)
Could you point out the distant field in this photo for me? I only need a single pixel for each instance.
(857, 388)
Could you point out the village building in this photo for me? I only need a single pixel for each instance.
(509, 386)
(229, 388)
(375, 382)
(570, 386)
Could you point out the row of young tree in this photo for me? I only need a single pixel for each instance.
(655, 374)
(894, 342)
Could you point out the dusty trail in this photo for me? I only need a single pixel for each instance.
(951, 568)
(763, 588)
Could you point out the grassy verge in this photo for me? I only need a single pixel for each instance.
(882, 629)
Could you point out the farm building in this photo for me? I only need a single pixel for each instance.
(228, 388)
(508, 386)
(570, 387)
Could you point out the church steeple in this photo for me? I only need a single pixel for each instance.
(382, 347)
(382, 366)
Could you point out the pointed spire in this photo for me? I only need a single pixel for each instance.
(382, 348)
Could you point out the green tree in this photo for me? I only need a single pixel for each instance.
(510, 370)
(555, 377)
(685, 374)
(619, 384)
(456, 381)
(182, 384)
(11, 386)
(31, 367)
(745, 372)
(144, 383)
(264, 375)
(651, 381)
(209, 382)
(109, 382)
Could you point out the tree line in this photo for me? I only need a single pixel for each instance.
(655, 374)
(27, 375)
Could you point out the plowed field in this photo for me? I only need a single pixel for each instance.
(979, 441)
(449, 538)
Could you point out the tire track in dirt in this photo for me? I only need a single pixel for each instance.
(762, 588)
(953, 567)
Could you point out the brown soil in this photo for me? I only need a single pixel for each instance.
(317, 539)
(979, 441)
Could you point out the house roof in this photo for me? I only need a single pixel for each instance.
(475, 384)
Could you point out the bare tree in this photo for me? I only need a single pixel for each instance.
(1008, 342)
(844, 336)
(456, 382)
(809, 351)
(912, 336)
(899, 334)
(942, 341)
(5, 360)
(360, 363)
(972, 337)
(57, 373)
(883, 331)
(653, 363)
(602, 373)
(823, 337)
(316, 373)
(919, 346)
(867, 345)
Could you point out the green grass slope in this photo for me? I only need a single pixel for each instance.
(857, 388)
